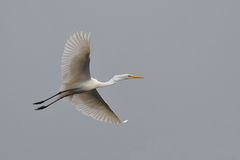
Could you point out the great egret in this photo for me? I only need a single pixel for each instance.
(78, 85)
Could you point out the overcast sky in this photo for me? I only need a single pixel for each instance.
(186, 108)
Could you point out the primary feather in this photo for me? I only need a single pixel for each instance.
(75, 59)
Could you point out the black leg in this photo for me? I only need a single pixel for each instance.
(43, 107)
(40, 102)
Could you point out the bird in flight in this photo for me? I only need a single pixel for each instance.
(78, 85)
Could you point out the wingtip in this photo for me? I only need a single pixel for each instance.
(125, 121)
(82, 35)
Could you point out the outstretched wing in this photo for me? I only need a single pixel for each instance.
(92, 104)
(75, 59)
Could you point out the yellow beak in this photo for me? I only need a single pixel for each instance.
(136, 76)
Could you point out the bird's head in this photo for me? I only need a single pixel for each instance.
(125, 77)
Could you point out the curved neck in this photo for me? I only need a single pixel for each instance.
(108, 83)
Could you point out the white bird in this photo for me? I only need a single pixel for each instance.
(78, 85)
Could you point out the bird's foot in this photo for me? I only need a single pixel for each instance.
(40, 108)
(40, 102)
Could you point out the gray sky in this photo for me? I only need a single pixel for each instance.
(186, 108)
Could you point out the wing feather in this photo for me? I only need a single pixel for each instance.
(75, 59)
(75, 69)
(92, 104)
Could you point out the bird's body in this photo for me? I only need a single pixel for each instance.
(85, 86)
(78, 85)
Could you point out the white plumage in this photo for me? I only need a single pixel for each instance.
(78, 85)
